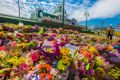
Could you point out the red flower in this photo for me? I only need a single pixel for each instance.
(88, 54)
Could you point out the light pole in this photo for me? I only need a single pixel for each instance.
(20, 23)
(36, 13)
(63, 5)
(86, 15)
(19, 10)
(102, 23)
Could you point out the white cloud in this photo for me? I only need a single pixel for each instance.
(8, 11)
(101, 9)
(10, 7)
(105, 9)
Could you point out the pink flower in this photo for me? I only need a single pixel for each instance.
(2, 48)
(23, 66)
(34, 56)
(62, 44)
(13, 44)
(54, 35)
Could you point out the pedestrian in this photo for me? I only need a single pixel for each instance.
(110, 32)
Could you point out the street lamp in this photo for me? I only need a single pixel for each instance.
(63, 5)
(86, 15)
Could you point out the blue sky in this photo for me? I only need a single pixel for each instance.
(107, 21)
(107, 10)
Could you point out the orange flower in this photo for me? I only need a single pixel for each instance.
(2, 33)
(44, 66)
(43, 76)
(108, 48)
(45, 71)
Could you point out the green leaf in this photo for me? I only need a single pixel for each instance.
(87, 66)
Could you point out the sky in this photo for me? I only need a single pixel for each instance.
(107, 10)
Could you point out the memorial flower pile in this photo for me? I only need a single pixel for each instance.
(39, 53)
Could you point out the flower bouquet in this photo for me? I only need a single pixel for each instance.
(44, 71)
(63, 64)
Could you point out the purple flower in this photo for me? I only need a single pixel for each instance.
(114, 54)
(90, 72)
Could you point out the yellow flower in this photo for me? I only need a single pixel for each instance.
(29, 62)
(63, 63)
(99, 60)
(1, 28)
(93, 50)
(16, 26)
(23, 45)
(21, 60)
(60, 66)
(64, 51)
(100, 72)
(65, 59)
(13, 60)
(16, 61)
(48, 49)
(2, 34)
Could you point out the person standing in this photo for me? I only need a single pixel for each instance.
(110, 32)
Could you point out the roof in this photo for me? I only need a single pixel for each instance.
(56, 10)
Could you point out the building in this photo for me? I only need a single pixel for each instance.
(58, 12)
(57, 17)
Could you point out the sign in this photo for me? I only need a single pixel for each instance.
(71, 47)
